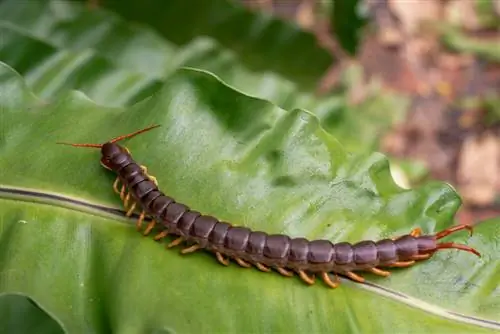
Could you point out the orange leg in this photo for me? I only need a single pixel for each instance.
(149, 227)
(262, 267)
(306, 278)
(191, 249)
(416, 232)
(129, 212)
(355, 277)
(453, 229)
(221, 259)
(115, 185)
(402, 264)
(175, 242)
(140, 220)
(326, 278)
(453, 245)
(242, 263)
(379, 272)
(421, 257)
(161, 235)
(122, 192)
(284, 272)
(125, 201)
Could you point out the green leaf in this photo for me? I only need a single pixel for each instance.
(347, 23)
(261, 40)
(246, 161)
(20, 315)
(85, 70)
(118, 64)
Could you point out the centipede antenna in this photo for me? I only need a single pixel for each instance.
(452, 245)
(81, 145)
(453, 229)
(114, 140)
(130, 135)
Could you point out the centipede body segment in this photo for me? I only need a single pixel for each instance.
(288, 256)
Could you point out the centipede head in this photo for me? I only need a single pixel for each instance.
(454, 245)
(110, 149)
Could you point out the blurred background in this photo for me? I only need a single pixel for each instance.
(443, 55)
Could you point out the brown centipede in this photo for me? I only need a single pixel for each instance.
(280, 252)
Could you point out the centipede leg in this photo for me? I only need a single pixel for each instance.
(221, 259)
(421, 256)
(453, 245)
(326, 278)
(122, 192)
(306, 278)
(149, 227)
(125, 201)
(175, 242)
(402, 264)
(379, 272)
(416, 232)
(355, 277)
(284, 272)
(262, 267)
(152, 178)
(242, 263)
(453, 229)
(131, 210)
(115, 185)
(140, 220)
(161, 235)
(191, 249)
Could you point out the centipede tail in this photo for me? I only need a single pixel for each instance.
(267, 252)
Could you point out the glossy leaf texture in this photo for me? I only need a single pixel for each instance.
(65, 245)
(118, 62)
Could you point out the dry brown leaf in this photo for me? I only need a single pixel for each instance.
(305, 14)
(413, 13)
(478, 169)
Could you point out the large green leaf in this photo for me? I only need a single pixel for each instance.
(244, 160)
(117, 63)
(347, 23)
(20, 315)
(262, 43)
(261, 40)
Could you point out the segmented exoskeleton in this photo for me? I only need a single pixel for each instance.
(280, 252)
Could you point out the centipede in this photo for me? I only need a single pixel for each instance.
(288, 256)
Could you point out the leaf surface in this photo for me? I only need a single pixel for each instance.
(59, 46)
(65, 245)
